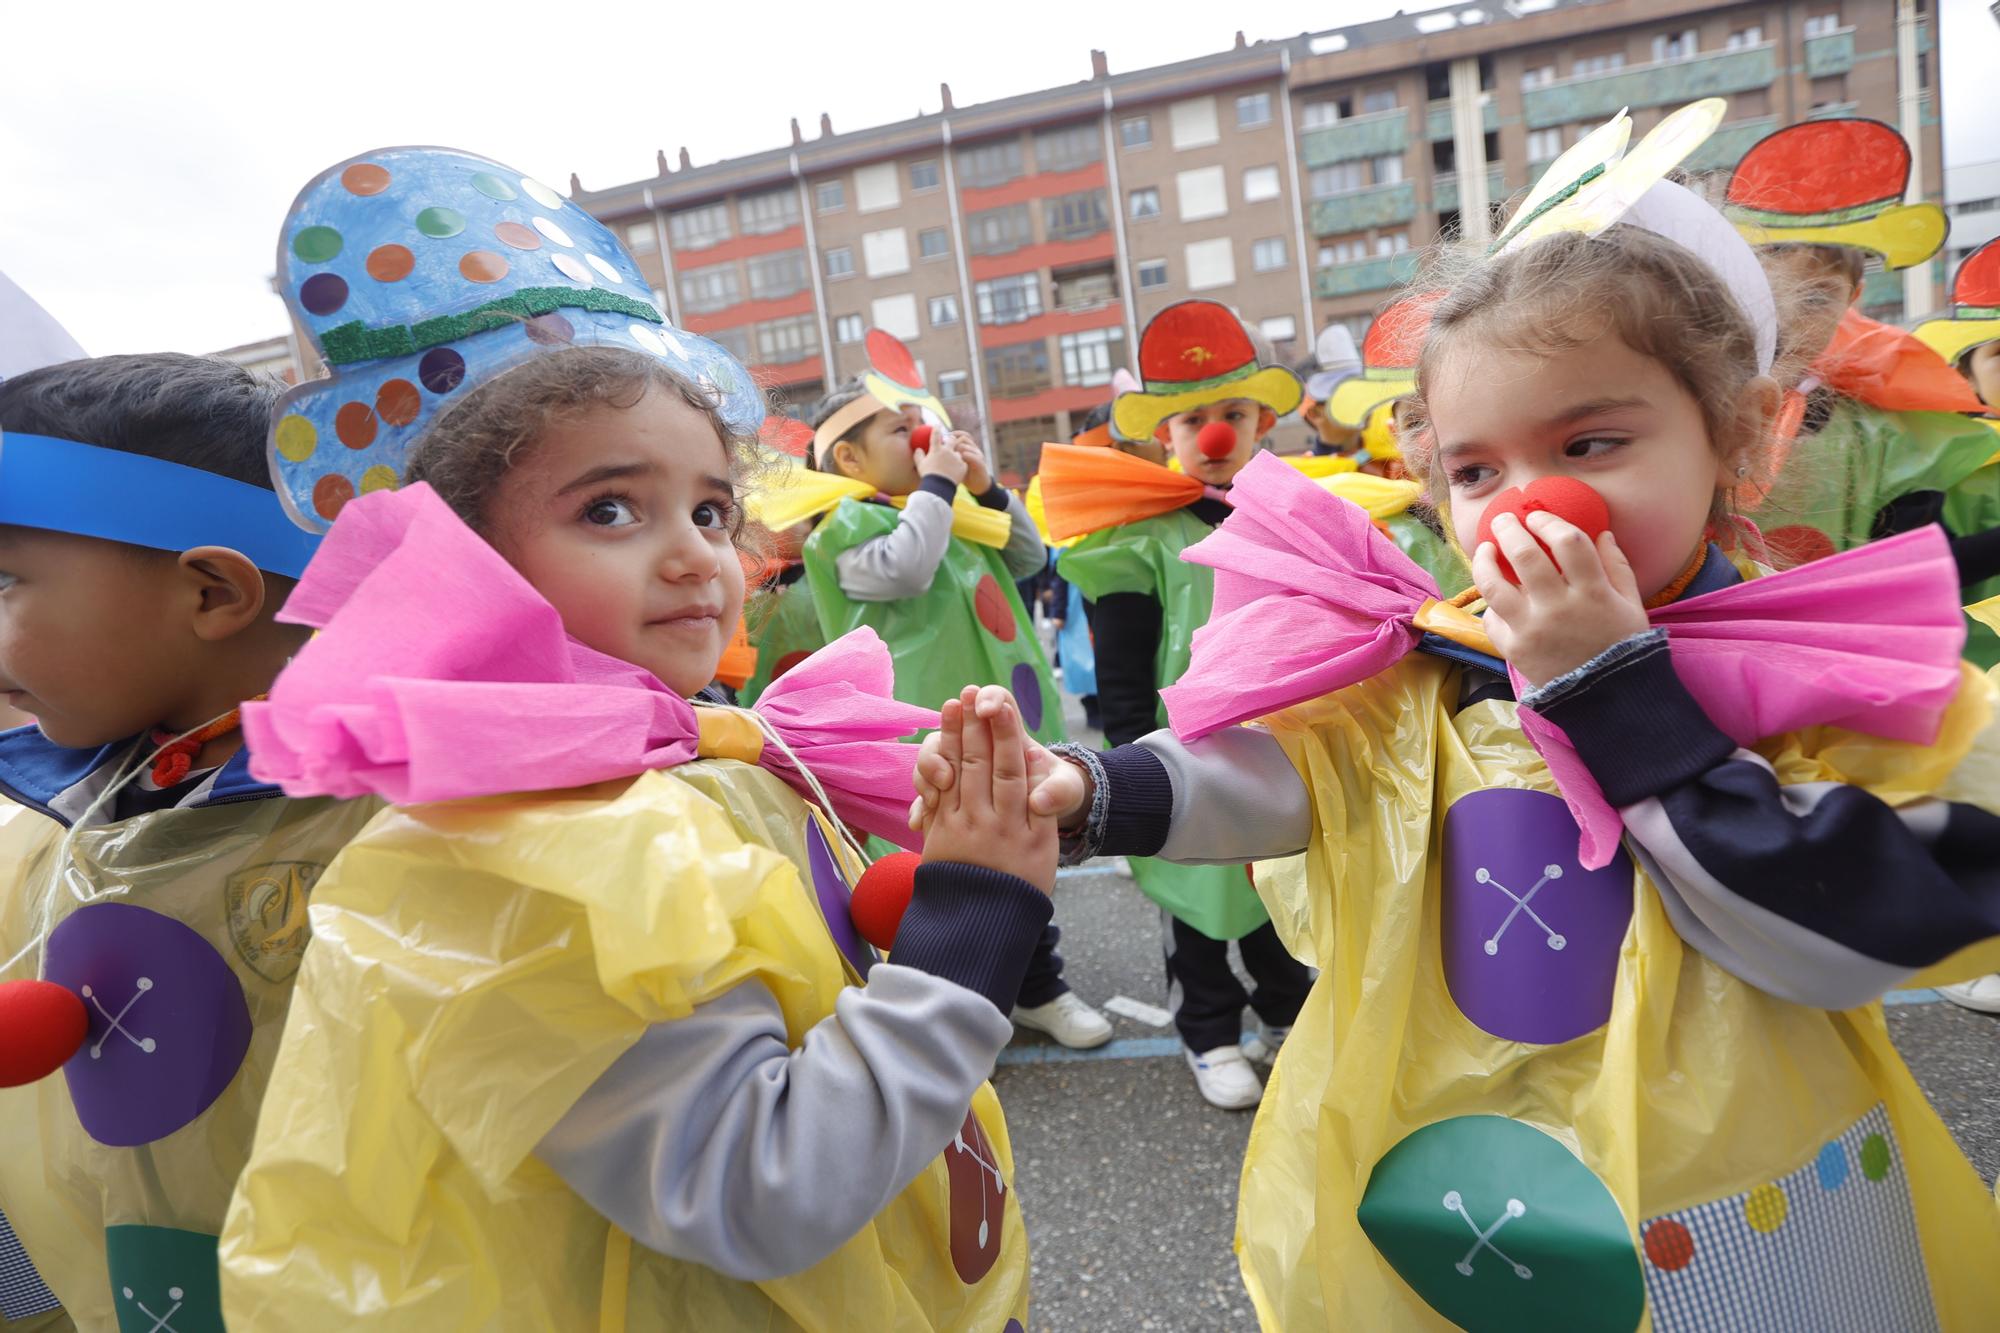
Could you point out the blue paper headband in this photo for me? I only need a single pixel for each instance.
(90, 491)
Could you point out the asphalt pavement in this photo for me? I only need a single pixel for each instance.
(1128, 1179)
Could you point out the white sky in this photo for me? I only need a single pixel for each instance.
(148, 151)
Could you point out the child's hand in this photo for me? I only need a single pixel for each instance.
(942, 461)
(978, 477)
(1059, 788)
(1566, 610)
(983, 819)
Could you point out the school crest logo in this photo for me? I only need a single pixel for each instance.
(267, 915)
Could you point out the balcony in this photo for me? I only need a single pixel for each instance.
(1726, 147)
(1437, 117)
(1830, 53)
(1357, 210)
(1444, 189)
(1366, 275)
(1596, 97)
(1372, 135)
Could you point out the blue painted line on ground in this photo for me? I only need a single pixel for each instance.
(1159, 1048)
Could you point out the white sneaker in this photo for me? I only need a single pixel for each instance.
(1225, 1077)
(1067, 1019)
(1981, 993)
(1262, 1049)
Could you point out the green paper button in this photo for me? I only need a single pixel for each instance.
(163, 1278)
(1497, 1226)
(493, 187)
(316, 245)
(440, 222)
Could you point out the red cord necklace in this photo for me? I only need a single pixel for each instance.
(175, 760)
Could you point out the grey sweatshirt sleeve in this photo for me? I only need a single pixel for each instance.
(712, 1141)
(1024, 553)
(901, 563)
(1226, 799)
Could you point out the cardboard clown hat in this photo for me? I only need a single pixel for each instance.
(1388, 360)
(891, 382)
(1194, 353)
(421, 274)
(1974, 316)
(1834, 182)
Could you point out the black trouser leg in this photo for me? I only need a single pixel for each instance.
(1206, 998)
(1043, 980)
(1282, 980)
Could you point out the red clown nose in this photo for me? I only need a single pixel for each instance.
(881, 896)
(1565, 497)
(41, 1026)
(920, 439)
(1217, 440)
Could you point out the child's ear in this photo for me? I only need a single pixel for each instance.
(1164, 432)
(229, 591)
(1265, 421)
(847, 460)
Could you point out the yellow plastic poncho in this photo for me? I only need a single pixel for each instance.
(187, 927)
(1701, 1155)
(476, 966)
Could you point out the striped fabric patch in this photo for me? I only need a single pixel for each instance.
(22, 1291)
(1830, 1248)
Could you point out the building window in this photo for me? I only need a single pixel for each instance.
(1319, 115)
(1072, 217)
(1388, 169)
(1828, 90)
(1394, 243)
(1135, 132)
(699, 228)
(1194, 124)
(1068, 148)
(944, 310)
(1378, 99)
(1545, 145)
(830, 196)
(1745, 37)
(839, 262)
(1268, 255)
(995, 231)
(1252, 110)
(1598, 64)
(1210, 264)
(896, 315)
(990, 164)
(848, 329)
(642, 238)
(1152, 273)
(782, 340)
(711, 288)
(933, 243)
(772, 211)
(1279, 328)
(1820, 25)
(1089, 357)
(885, 253)
(1340, 178)
(1081, 289)
(1203, 193)
(1539, 77)
(1014, 372)
(1674, 45)
(773, 276)
(952, 384)
(1145, 203)
(1009, 300)
(923, 175)
(875, 187)
(1259, 184)
(734, 341)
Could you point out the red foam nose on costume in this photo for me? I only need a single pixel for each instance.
(920, 439)
(41, 1026)
(881, 897)
(1217, 440)
(1565, 497)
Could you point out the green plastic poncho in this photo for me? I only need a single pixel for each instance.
(784, 628)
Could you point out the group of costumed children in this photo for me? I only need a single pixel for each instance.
(414, 936)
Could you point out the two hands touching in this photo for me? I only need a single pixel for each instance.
(989, 795)
(957, 458)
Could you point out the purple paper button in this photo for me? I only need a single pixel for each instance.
(835, 897)
(168, 1022)
(1027, 687)
(1530, 938)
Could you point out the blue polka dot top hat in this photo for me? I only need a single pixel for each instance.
(422, 273)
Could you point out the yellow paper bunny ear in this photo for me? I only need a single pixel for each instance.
(1593, 184)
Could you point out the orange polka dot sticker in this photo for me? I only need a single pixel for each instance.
(365, 179)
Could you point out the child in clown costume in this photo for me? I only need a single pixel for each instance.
(591, 1041)
(1597, 1046)
(1882, 446)
(152, 910)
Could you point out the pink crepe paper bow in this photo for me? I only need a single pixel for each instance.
(439, 673)
(1868, 640)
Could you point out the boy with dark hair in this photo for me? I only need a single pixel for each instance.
(152, 893)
